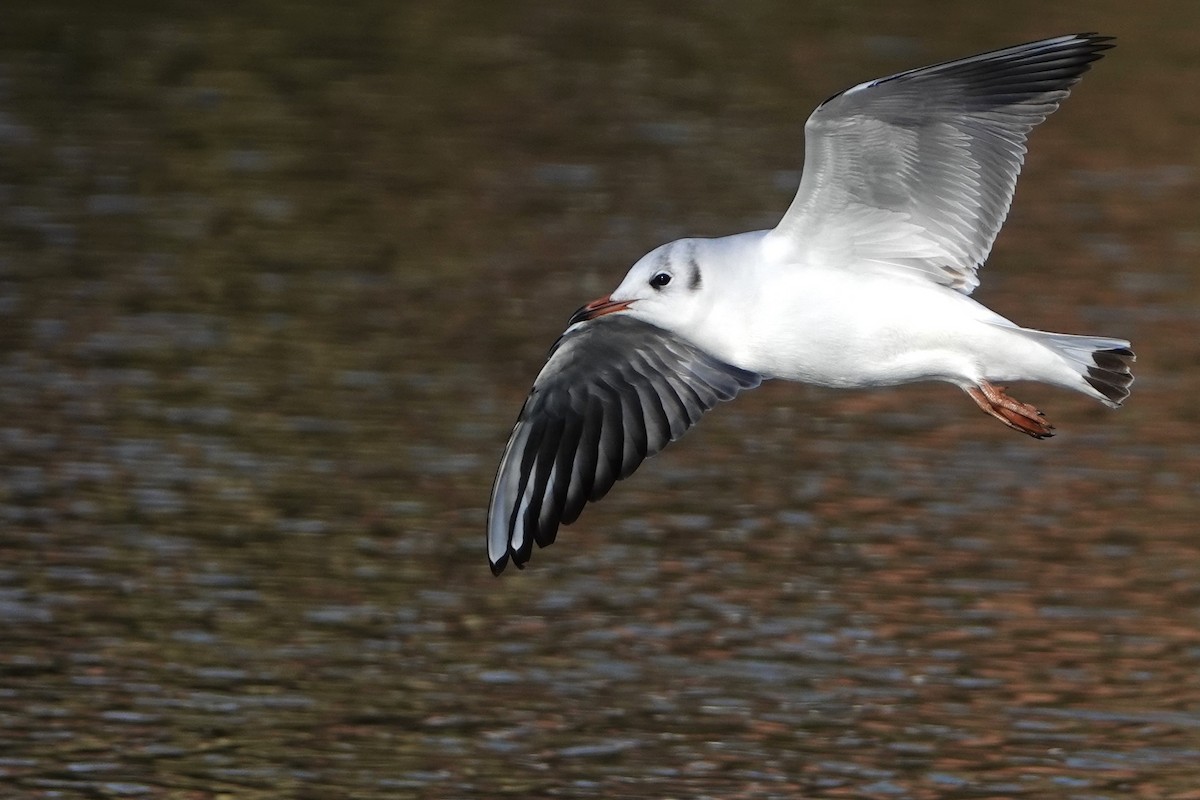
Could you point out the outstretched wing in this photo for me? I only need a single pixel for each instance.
(613, 392)
(915, 172)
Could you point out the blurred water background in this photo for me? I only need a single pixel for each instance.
(276, 277)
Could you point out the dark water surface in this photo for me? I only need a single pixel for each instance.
(274, 282)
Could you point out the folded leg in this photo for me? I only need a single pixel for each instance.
(1016, 415)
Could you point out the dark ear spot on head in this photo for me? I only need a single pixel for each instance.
(694, 280)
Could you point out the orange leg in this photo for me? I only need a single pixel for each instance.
(1016, 415)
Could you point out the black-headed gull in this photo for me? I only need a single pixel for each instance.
(865, 282)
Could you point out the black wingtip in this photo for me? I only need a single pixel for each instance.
(1096, 44)
(1099, 40)
(500, 563)
(1085, 47)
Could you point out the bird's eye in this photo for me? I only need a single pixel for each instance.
(660, 280)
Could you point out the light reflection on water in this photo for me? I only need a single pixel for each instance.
(272, 297)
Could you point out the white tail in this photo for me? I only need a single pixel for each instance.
(1102, 364)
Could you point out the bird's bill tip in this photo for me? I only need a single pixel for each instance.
(598, 308)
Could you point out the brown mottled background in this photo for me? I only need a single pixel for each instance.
(275, 279)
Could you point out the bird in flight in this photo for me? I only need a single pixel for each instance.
(866, 281)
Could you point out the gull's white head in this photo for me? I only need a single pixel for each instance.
(666, 288)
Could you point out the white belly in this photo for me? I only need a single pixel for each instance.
(846, 329)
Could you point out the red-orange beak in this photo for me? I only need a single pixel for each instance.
(598, 308)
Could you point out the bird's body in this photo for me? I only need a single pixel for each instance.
(789, 321)
(864, 283)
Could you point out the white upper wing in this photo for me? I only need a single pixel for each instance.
(916, 171)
